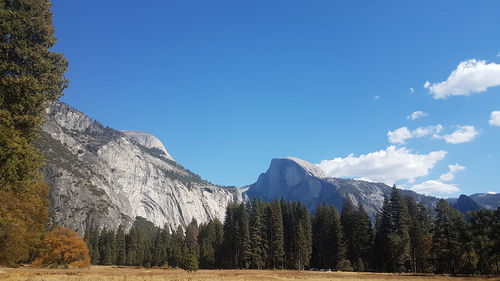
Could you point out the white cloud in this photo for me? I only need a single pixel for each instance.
(492, 192)
(451, 174)
(376, 97)
(461, 135)
(433, 186)
(388, 166)
(402, 134)
(412, 90)
(471, 76)
(495, 118)
(399, 135)
(416, 114)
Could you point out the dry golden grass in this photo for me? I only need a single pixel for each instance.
(139, 274)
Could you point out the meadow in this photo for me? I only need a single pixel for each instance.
(108, 273)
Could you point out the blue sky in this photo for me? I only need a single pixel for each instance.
(229, 85)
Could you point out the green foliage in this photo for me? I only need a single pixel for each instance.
(281, 234)
(446, 244)
(31, 76)
(191, 263)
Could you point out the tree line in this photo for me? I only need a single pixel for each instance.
(283, 235)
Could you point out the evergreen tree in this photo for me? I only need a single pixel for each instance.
(177, 248)
(257, 239)
(303, 237)
(349, 220)
(191, 238)
(274, 232)
(364, 239)
(121, 252)
(191, 262)
(243, 237)
(229, 254)
(327, 246)
(399, 237)
(206, 239)
(31, 76)
(132, 244)
(420, 225)
(446, 240)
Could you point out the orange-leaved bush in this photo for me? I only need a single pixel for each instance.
(62, 246)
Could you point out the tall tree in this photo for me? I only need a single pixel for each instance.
(446, 240)
(419, 230)
(257, 236)
(191, 238)
(274, 232)
(349, 219)
(121, 252)
(31, 76)
(364, 239)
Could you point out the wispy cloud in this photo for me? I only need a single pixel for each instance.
(453, 169)
(461, 135)
(416, 115)
(399, 136)
(412, 90)
(388, 166)
(470, 76)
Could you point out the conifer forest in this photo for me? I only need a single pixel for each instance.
(406, 237)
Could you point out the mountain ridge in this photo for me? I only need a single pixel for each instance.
(297, 180)
(102, 177)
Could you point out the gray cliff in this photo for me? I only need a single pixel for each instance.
(103, 177)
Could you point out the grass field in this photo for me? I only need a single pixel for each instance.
(140, 274)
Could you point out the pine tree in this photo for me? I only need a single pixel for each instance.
(121, 253)
(303, 230)
(243, 237)
(191, 238)
(177, 248)
(206, 239)
(364, 239)
(446, 240)
(191, 262)
(132, 243)
(399, 237)
(257, 242)
(481, 227)
(420, 225)
(327, 240)
(274, 232)
(229, 254)
(349, 220)
(31, 77)
(218, 243)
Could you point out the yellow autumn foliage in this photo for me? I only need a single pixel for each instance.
(62, 246)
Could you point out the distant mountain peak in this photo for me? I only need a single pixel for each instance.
(312, 169)
(147, 140)
(465, 203)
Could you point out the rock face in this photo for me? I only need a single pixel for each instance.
(103, 177)
(148, 141)
(465, 203)
(296, 179)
